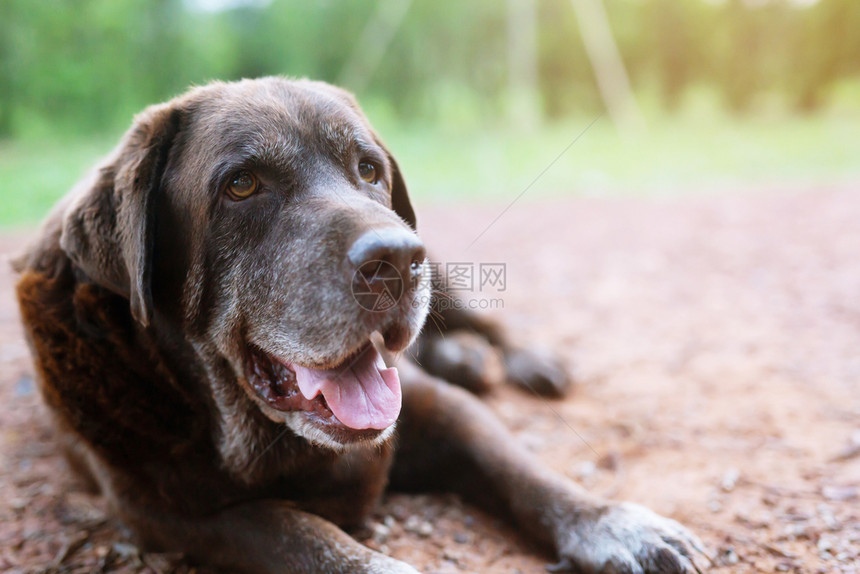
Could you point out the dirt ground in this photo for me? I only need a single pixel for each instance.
(716, 346)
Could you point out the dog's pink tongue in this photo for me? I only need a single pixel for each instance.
(362, 395)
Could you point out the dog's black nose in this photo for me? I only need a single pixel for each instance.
(381, 257)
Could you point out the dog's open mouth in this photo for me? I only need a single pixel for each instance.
(360, 393)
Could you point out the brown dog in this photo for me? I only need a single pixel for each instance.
(195, 312)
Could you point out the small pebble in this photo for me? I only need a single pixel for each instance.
(839, 493)
(417, 526)
(730, 480)
(798, 530)
(380, 532)
(730, 557)
(586, 469)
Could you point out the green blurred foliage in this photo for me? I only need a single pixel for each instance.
(79, 65)
(733, 91)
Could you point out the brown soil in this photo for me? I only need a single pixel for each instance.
(716, 344)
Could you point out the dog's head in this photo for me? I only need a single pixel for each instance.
(266, 223)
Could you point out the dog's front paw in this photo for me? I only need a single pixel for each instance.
(539, 371)
(630, 539)
(464, 359)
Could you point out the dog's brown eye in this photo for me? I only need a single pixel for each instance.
(243, 185)
(367, 171)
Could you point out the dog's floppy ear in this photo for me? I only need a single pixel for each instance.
(399, 195)
(108, 230)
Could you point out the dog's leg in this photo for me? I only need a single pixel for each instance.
(262, 537)
(475, 352)
(449, 440)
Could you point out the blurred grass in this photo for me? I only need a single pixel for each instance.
(694, 151)
(699, 149)
(33, 175)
